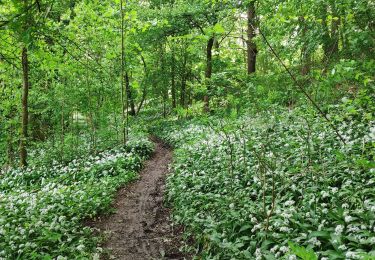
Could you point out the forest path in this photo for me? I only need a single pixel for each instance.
(141, 229)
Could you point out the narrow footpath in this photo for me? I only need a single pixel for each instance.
(141, 229)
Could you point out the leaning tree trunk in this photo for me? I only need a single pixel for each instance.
(208, 73)
(251, 46)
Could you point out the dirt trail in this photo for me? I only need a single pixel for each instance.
(141, 229)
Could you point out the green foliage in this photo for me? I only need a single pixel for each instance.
(257, 186)
(302, 252)
(42, 208)
(261, 139)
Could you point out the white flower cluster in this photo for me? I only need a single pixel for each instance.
(287, 182)
(41, 208)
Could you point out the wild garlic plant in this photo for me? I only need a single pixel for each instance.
(278, 185)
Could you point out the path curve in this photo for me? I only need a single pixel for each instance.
(140, 229)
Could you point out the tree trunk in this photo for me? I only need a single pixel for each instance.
(330, 36)
(208, 73)
(144, 92)
(183, 80)
(305, 53)
(335, 35)
(62, 131)
(173, 77)
(10, 157)
(129, 95)
(251, 46)
(183, 90)
(25, 109)
(123, 107)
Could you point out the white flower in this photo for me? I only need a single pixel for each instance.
(292, 257)
(372, 133)
(80, 247)
(289, 203)
(258, 254)
(342, 247)
(351, 254)
(284, 229)
(321, 225)
(256, 227)
(314, 241)
(274, 249)
(324, 194)
(284, 249)
(339, 229)
(348, 218)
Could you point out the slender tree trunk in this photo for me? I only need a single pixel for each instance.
(129, 94)
(183, 91)
(123, 107)
(173, 78)
(335, 35)
(62, 131)
(325, 35)
(144, 92)
(330, 36)
(305, 53)
(25, 109)
(208, 73)
(10, 152)
(165, 97)
(251, 46)
(183, 80)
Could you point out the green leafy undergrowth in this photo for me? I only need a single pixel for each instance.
(277, 185)
(42, 208)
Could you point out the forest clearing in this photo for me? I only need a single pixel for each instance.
(187, 129)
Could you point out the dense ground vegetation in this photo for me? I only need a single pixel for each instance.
(264, 185)
(269, 106)
(42, 208)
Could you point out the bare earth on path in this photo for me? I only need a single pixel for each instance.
(140, 229)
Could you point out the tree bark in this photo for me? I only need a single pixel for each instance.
(208, 73)
(144, 92)
(251, 46)
(124, 126)
(62, 131)
(10, 153)
(305, 53)
(183, 80)
(25, 109)
(173, 78)
(330, 35)
(129, 95)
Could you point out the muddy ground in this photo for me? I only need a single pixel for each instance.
(140, 228)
